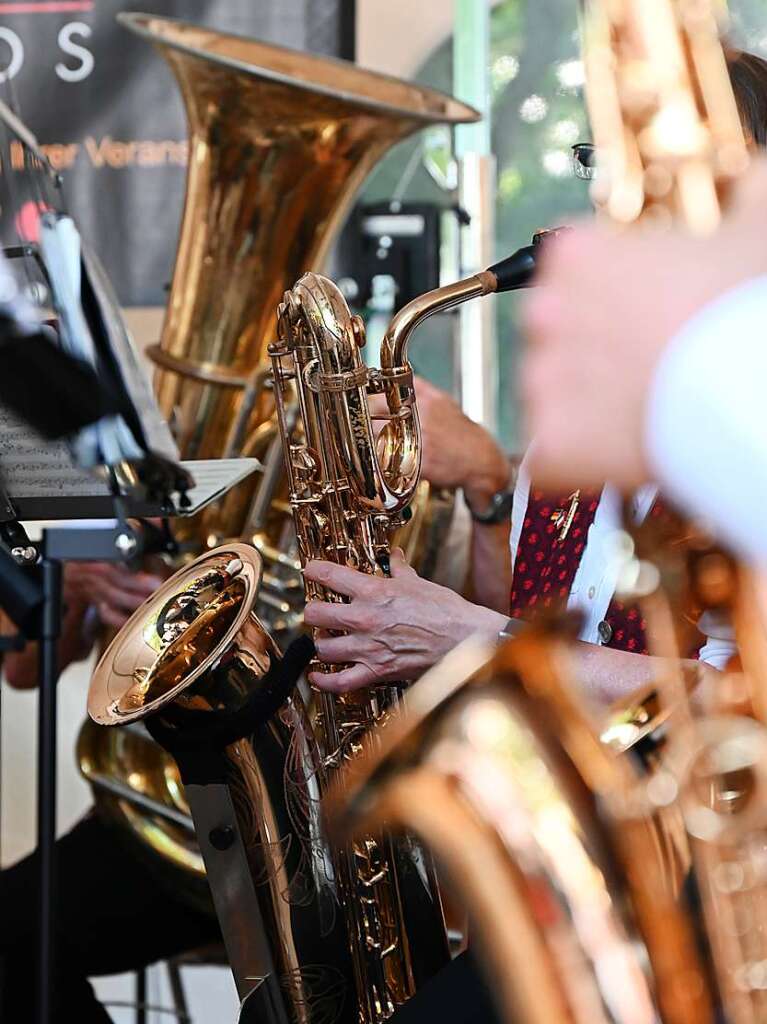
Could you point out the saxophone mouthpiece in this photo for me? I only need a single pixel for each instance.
(518, 270)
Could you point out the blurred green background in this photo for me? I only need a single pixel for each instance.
(537, 114)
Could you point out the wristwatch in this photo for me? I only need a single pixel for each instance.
(498, 511)
(512, 629)
(499, 508)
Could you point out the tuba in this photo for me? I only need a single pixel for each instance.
(559, 843)
(279, 143)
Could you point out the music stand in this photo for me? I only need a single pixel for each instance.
(35, 604)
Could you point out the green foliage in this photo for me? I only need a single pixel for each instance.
(538, 112)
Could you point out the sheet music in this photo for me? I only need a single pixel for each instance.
(31, 467)
(36, 474)
(156, 430)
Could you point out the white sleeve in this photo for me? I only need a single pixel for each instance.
(720, 644)
(706, 430)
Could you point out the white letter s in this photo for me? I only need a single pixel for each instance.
(84, 56)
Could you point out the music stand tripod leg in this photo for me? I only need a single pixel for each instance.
(46, 784)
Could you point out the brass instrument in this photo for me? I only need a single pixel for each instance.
(349, 490)
(497, 767)
(196, 660)
(279, 143)
(560, 845)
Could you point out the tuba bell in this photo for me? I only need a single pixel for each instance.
(279, 143)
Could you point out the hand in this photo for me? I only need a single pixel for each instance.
(606, 307)
(394, 629)
(457, 452)
(113, 590)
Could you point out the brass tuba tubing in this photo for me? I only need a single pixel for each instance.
(279, 144)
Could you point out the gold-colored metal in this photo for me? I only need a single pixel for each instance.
(279, 143)
(137, 785)
(567, 852)
(498, 768)
(671, 143)
(349, 488)
(669, 138)
(196, 660)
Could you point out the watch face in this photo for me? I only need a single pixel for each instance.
(498, 510)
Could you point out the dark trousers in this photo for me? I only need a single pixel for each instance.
(113, 916)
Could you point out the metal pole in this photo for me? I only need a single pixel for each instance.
(477, 347)
(46, 785)
(347, 34)
(141, 1000)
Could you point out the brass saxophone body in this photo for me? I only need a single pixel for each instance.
(349, 491)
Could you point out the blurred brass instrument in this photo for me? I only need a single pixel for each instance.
(279, 143)
(545, 835)
(559, 844)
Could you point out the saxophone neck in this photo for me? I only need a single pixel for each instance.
(515, 272)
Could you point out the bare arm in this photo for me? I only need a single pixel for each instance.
(610, 676)
(112, 590)
(491, 569)
(395, 629)
(458, 453)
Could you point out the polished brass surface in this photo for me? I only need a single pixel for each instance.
(176, 638)
(191, 658)
(547, 836)
(349, 488)
(571, 851)
(137, 786)
(670, 144)
(194, 654)
(280, 142)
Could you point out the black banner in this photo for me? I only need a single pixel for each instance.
(107, 110)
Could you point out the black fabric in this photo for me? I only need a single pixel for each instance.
(457, 995)
(197, 739)
(112, 917)
(54, 392)
(118, 116)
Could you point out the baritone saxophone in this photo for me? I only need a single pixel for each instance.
(349, 490)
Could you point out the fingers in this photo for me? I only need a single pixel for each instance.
(94, 574)
(330, 615)
(334, 650)
(111, 616)
(339, 578)
(354, 678)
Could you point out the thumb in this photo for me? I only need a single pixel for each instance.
(399, 564)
